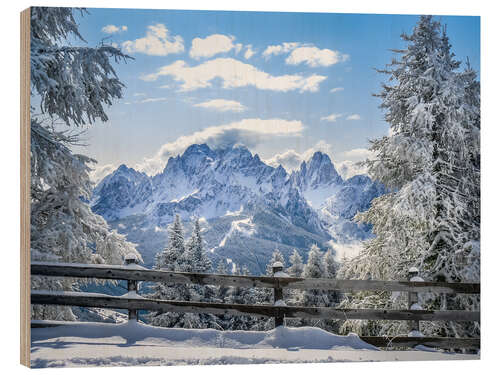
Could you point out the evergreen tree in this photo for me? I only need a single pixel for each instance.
(430, 219)
(72, 85)
(314, 269)
(334, 296)
(296, 269)
(331, 266)
(297, 266)
(195, 257)
(171, 259)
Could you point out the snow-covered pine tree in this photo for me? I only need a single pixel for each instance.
(173, 258)
(195, 257)
(170, 259)
(331, 267)
(196, 260)
(296, 264)
(314, 269)
(430, 219)
(292, 296)
(70, 85)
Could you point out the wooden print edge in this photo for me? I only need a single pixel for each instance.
(25, 174)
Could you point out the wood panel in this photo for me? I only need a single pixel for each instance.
(25, 178)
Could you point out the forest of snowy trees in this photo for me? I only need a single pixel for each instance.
(430, 162)
(189, 256)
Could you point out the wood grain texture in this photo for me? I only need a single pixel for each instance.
(122, 273)
(114, 302)
(25, 178)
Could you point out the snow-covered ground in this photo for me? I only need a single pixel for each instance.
(132, 343)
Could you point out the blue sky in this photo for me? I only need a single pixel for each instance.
(284, 84)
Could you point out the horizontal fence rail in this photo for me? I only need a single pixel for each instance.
(114, 302)
(133, 273)
(112, 272)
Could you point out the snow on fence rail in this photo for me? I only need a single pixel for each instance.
(115, 272)
(132, 302)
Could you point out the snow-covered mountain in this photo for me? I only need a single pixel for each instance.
(247, 208)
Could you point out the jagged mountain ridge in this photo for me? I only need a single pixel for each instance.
(247, 207)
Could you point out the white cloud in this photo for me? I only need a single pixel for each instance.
(280, 49)
(112, 29)
(314, 57)
(101, 171)
(291, 159)
(222, 105)
(248, 131)
(147, 100)
(348, 169)
(332, 118)
(345, 162)
(353, 117)
(308, 54)
(233, 73)
(139, 94)
(358, 154)
(249, 52)
(212, 45)
(152, 100)
(157, 42)
(337, 89)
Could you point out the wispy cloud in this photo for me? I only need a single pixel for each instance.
(249, 52)
(346, 163)
(153, 100)
(279, 49)
(354, 116)
(249, 132)
(337, 89)
(233, 73)
(291, 159)
(147, 100)
(332, 118)
(157, 42)
(112, 29)
(357, 154)
(222, 105)
(213, 45)
(98, 172)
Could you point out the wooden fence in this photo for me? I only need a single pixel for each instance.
(132, 302)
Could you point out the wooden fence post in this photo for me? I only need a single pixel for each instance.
(279, 318)
(414, 325)
(131, 259)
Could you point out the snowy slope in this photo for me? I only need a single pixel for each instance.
(238, 197)
(132, 343)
